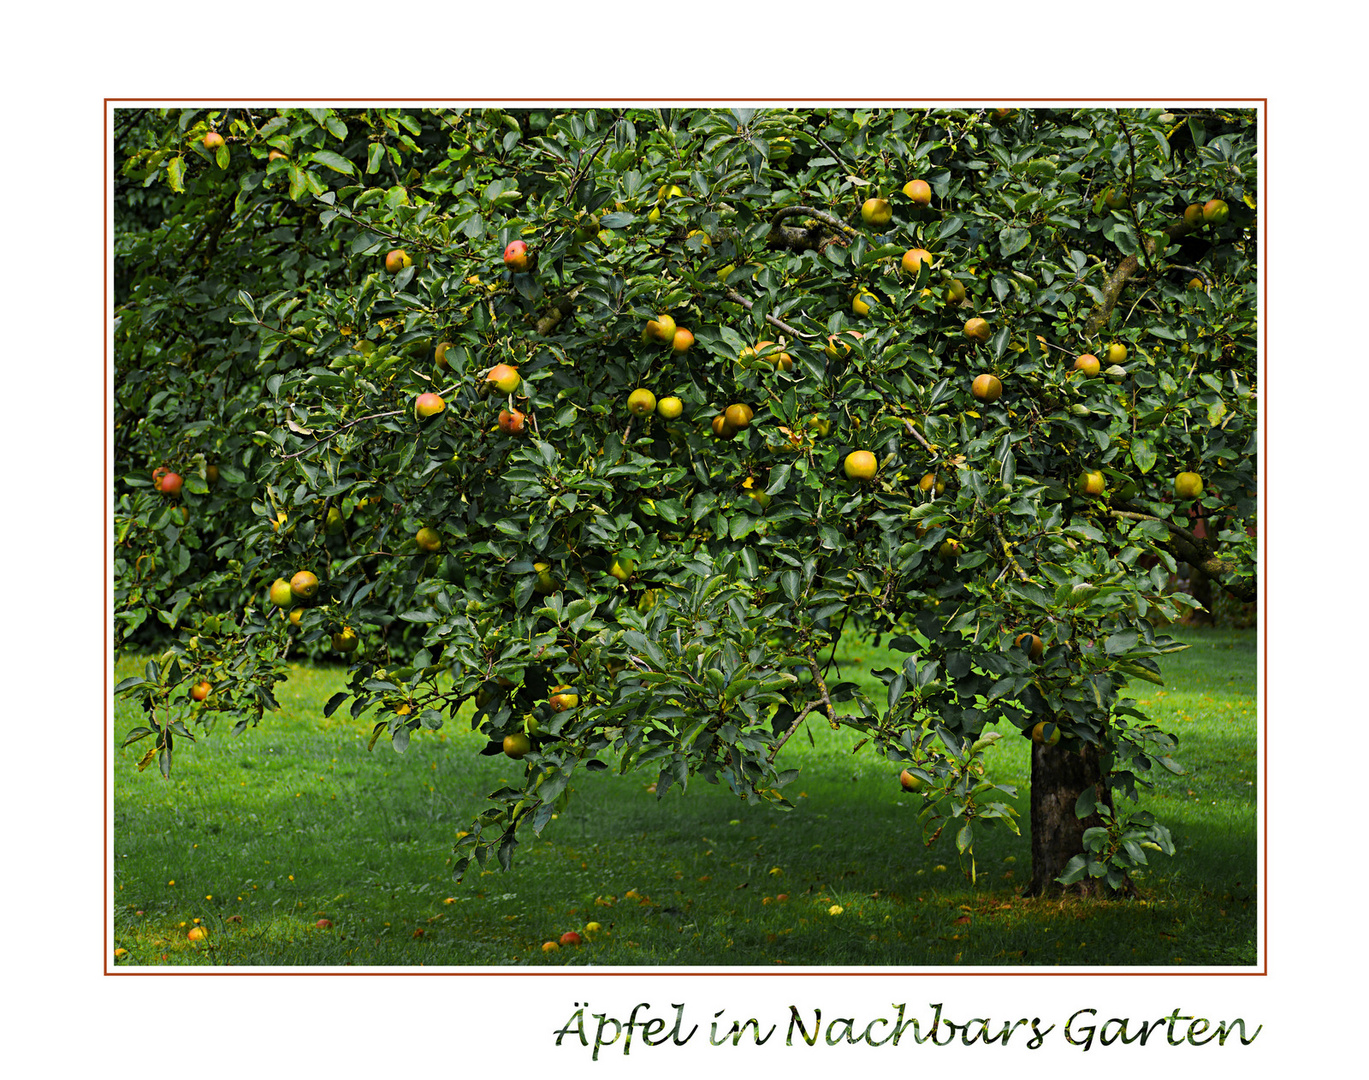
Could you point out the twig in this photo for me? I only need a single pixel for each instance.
(339, 431)
(913, 431)
(1007, 551)
(821, 699)
(1131, 187)
(737, 297)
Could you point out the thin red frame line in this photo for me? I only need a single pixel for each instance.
(1263, 607)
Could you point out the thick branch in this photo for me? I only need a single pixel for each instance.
(1200, 552)
(1126, 270)
(791, 239)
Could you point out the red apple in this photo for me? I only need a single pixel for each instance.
(516, 256)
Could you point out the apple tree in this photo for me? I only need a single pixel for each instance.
(614, 421)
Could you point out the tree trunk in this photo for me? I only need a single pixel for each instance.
(1059, 774)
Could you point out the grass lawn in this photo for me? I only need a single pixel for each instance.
(258, 837)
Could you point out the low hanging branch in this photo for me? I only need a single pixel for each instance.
(1200, 552)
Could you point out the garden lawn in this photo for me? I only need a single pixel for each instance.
(257, 838)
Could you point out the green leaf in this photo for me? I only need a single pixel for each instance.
(1143, 455)
(1012, 240)
(175, 173)
(336, 162)
(1121, 642)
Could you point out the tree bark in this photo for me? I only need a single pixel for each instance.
(1059, 775)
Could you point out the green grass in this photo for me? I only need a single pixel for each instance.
(261, 835)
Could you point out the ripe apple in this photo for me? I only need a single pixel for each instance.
(876, 212)
(914, 258)
(440, 355)
(550, 946)
(197, 933)
(303, 585)
(513, 422)
(1188, 485)
(641, 402)
(570, 937)
(324, 924)
(1196, 283)
(171, 484)
(622, 567)
(281, 594)
(516, 256)
(1035, 646)
(930, 481)
(669, 408)
(428, 539)
(761, 498)
(977, 329)
(1039, 733)
(955, 291)
(212, 140)
(860, 465)
(738, 416)
(819, 425)
(987, 387)
(429, 404)
(837, 348)
(200, 691)
(911, 782)
(721, 428)
(546, 583)
(861, 302)
(661, 328)
(1193, 214)
(1087, 364)
(503, 378)
(345, 640)
(1215, 211)
(682, 340)
(781, 360)
(1117, 353)
(1090, 483)
(397, 260)
(950, 548)
(919, 191)
(517, 745)
(563, 698)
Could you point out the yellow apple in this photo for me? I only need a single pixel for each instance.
(860, 465)
(1188, 485)
(641, 402)
(876, 212)
(919, 191)
(661, 328)
(504, 378)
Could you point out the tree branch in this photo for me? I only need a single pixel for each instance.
(1126, 270)
(736, 297)
(1198, 552)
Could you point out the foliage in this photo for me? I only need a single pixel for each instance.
(259, 333)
